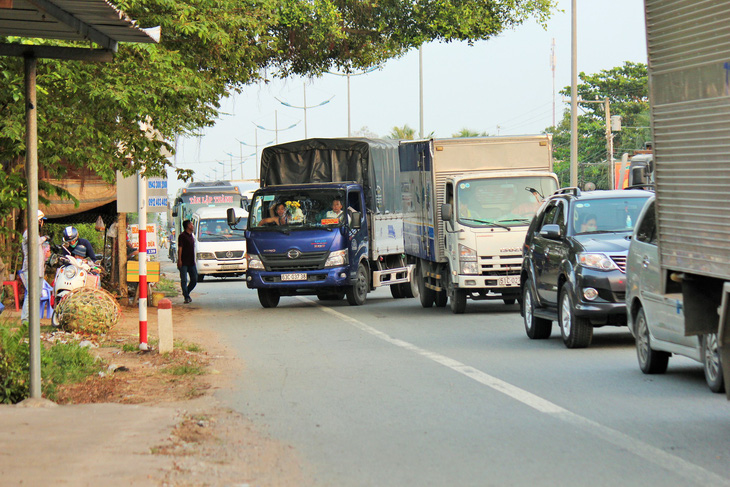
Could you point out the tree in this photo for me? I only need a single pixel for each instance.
(89, 113)
(402, 133)
(465, 132)
(626, 87)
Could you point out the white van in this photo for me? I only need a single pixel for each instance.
(219, 249)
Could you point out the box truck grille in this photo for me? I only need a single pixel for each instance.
(500, 265)
(307, 261)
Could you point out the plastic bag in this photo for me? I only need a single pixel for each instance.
(100, 224)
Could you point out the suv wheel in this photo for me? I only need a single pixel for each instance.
(650, 361)
(577, 331)
(711, 362)
(536, 328)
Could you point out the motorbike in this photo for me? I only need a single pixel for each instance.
(172, 252)
(72, 273)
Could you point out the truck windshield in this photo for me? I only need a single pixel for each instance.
(217, 230)
(502, 202)
(300, 209)
(610, 215)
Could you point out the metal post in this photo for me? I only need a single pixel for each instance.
(349, 126)
(420, 90)
(276, 125)
(142, 256)
(305, 110)
(256, 144)
(574, 97)
(34, 263)
(609, 146)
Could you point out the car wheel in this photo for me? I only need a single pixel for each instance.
(426, 295)
(577, 332)
(358, 292)
(269, 298)
(650, 361)
(536, 328)
(711, 362)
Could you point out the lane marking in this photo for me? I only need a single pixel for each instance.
(655, 455)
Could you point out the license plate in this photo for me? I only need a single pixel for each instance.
(293, 277)
(230, 266)
(509, 281)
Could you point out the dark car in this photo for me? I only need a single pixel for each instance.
(574, 267)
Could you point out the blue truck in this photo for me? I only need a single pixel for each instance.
(327, 221)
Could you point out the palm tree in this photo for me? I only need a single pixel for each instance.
(402, 133)
(465, 132)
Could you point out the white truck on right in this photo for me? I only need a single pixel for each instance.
(688, 45)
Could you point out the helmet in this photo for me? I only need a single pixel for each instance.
(79, 251)
(70, 234)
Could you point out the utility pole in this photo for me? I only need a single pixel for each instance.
(553, 64)
(420, 90)
(609, 139)
(574, 97)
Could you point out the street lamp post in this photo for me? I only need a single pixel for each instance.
(348, 75)
(304, 107)
(256, 148)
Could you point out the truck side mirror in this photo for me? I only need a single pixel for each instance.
(550, 231)
(231, 217)
(356, 220)
(446, 212)
(247, 207)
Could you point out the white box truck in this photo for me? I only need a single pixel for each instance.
(468, 203)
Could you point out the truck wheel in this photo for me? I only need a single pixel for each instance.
(577, 332)
(409, 289)
(711, 362)
(395, 291)
(357, 294)
(457, 297)
(269, 298)
(441, 299)
(536, 328)
(650, 361)
(425, 294)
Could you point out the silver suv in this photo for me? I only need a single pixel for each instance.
(657, 320)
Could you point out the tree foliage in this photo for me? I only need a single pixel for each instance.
(89, 114)
(626, 88)
(465, 132)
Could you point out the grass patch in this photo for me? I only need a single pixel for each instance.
(61, 363)
(189, 347)
(184, 369)
(167, 287)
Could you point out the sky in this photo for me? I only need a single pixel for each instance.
(502, 86)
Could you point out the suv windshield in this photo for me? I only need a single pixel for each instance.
(300, 209)
(606, 215)
(217, 230)
(503, 202)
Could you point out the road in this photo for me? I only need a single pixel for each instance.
(391, 394)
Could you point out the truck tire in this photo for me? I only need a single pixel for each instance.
(395, 291)
(426, 295)
(358, 292)
(577, 332)
(712, 364)
(650, 361)
(536, 328)
(409, 289)
(442, 298)
(269, 298)
(457, 296)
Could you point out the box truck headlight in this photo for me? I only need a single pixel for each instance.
(468, 260)
(337, 258)
(254, 262)
(206, 256)
(596, 261)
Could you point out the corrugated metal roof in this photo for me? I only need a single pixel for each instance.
(72, 20)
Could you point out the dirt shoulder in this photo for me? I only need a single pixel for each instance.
(148, 419)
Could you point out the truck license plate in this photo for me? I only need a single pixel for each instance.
(509, 281)
(227, 267)
(293, 277)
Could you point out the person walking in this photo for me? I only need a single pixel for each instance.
(41, 259)
(186, 260)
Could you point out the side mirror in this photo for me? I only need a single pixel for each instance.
(247, 207)
(231, 217)
(356, 220)
(550, 231)
(446, 212)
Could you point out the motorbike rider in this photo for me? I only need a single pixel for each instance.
(71, 240)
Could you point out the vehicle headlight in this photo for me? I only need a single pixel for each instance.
(206, 256)
(466, 254)
(69, 272)
(469, 268)
(336, 258)
(254, 262)
(596, 261)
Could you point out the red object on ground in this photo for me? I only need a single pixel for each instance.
(14, 285)
(164, 304)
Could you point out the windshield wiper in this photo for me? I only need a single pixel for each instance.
(521, 220)
(484, 222)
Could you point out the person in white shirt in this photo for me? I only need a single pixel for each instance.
(336, 211)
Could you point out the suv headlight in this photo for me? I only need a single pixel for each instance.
(597, 261)
(468, 260)
(336, 258)
(254, 262)
(206, 256)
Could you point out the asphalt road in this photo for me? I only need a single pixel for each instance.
(391, 394)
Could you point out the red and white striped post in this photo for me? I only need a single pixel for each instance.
(142, 195)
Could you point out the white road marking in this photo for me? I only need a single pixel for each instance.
(655, 455)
